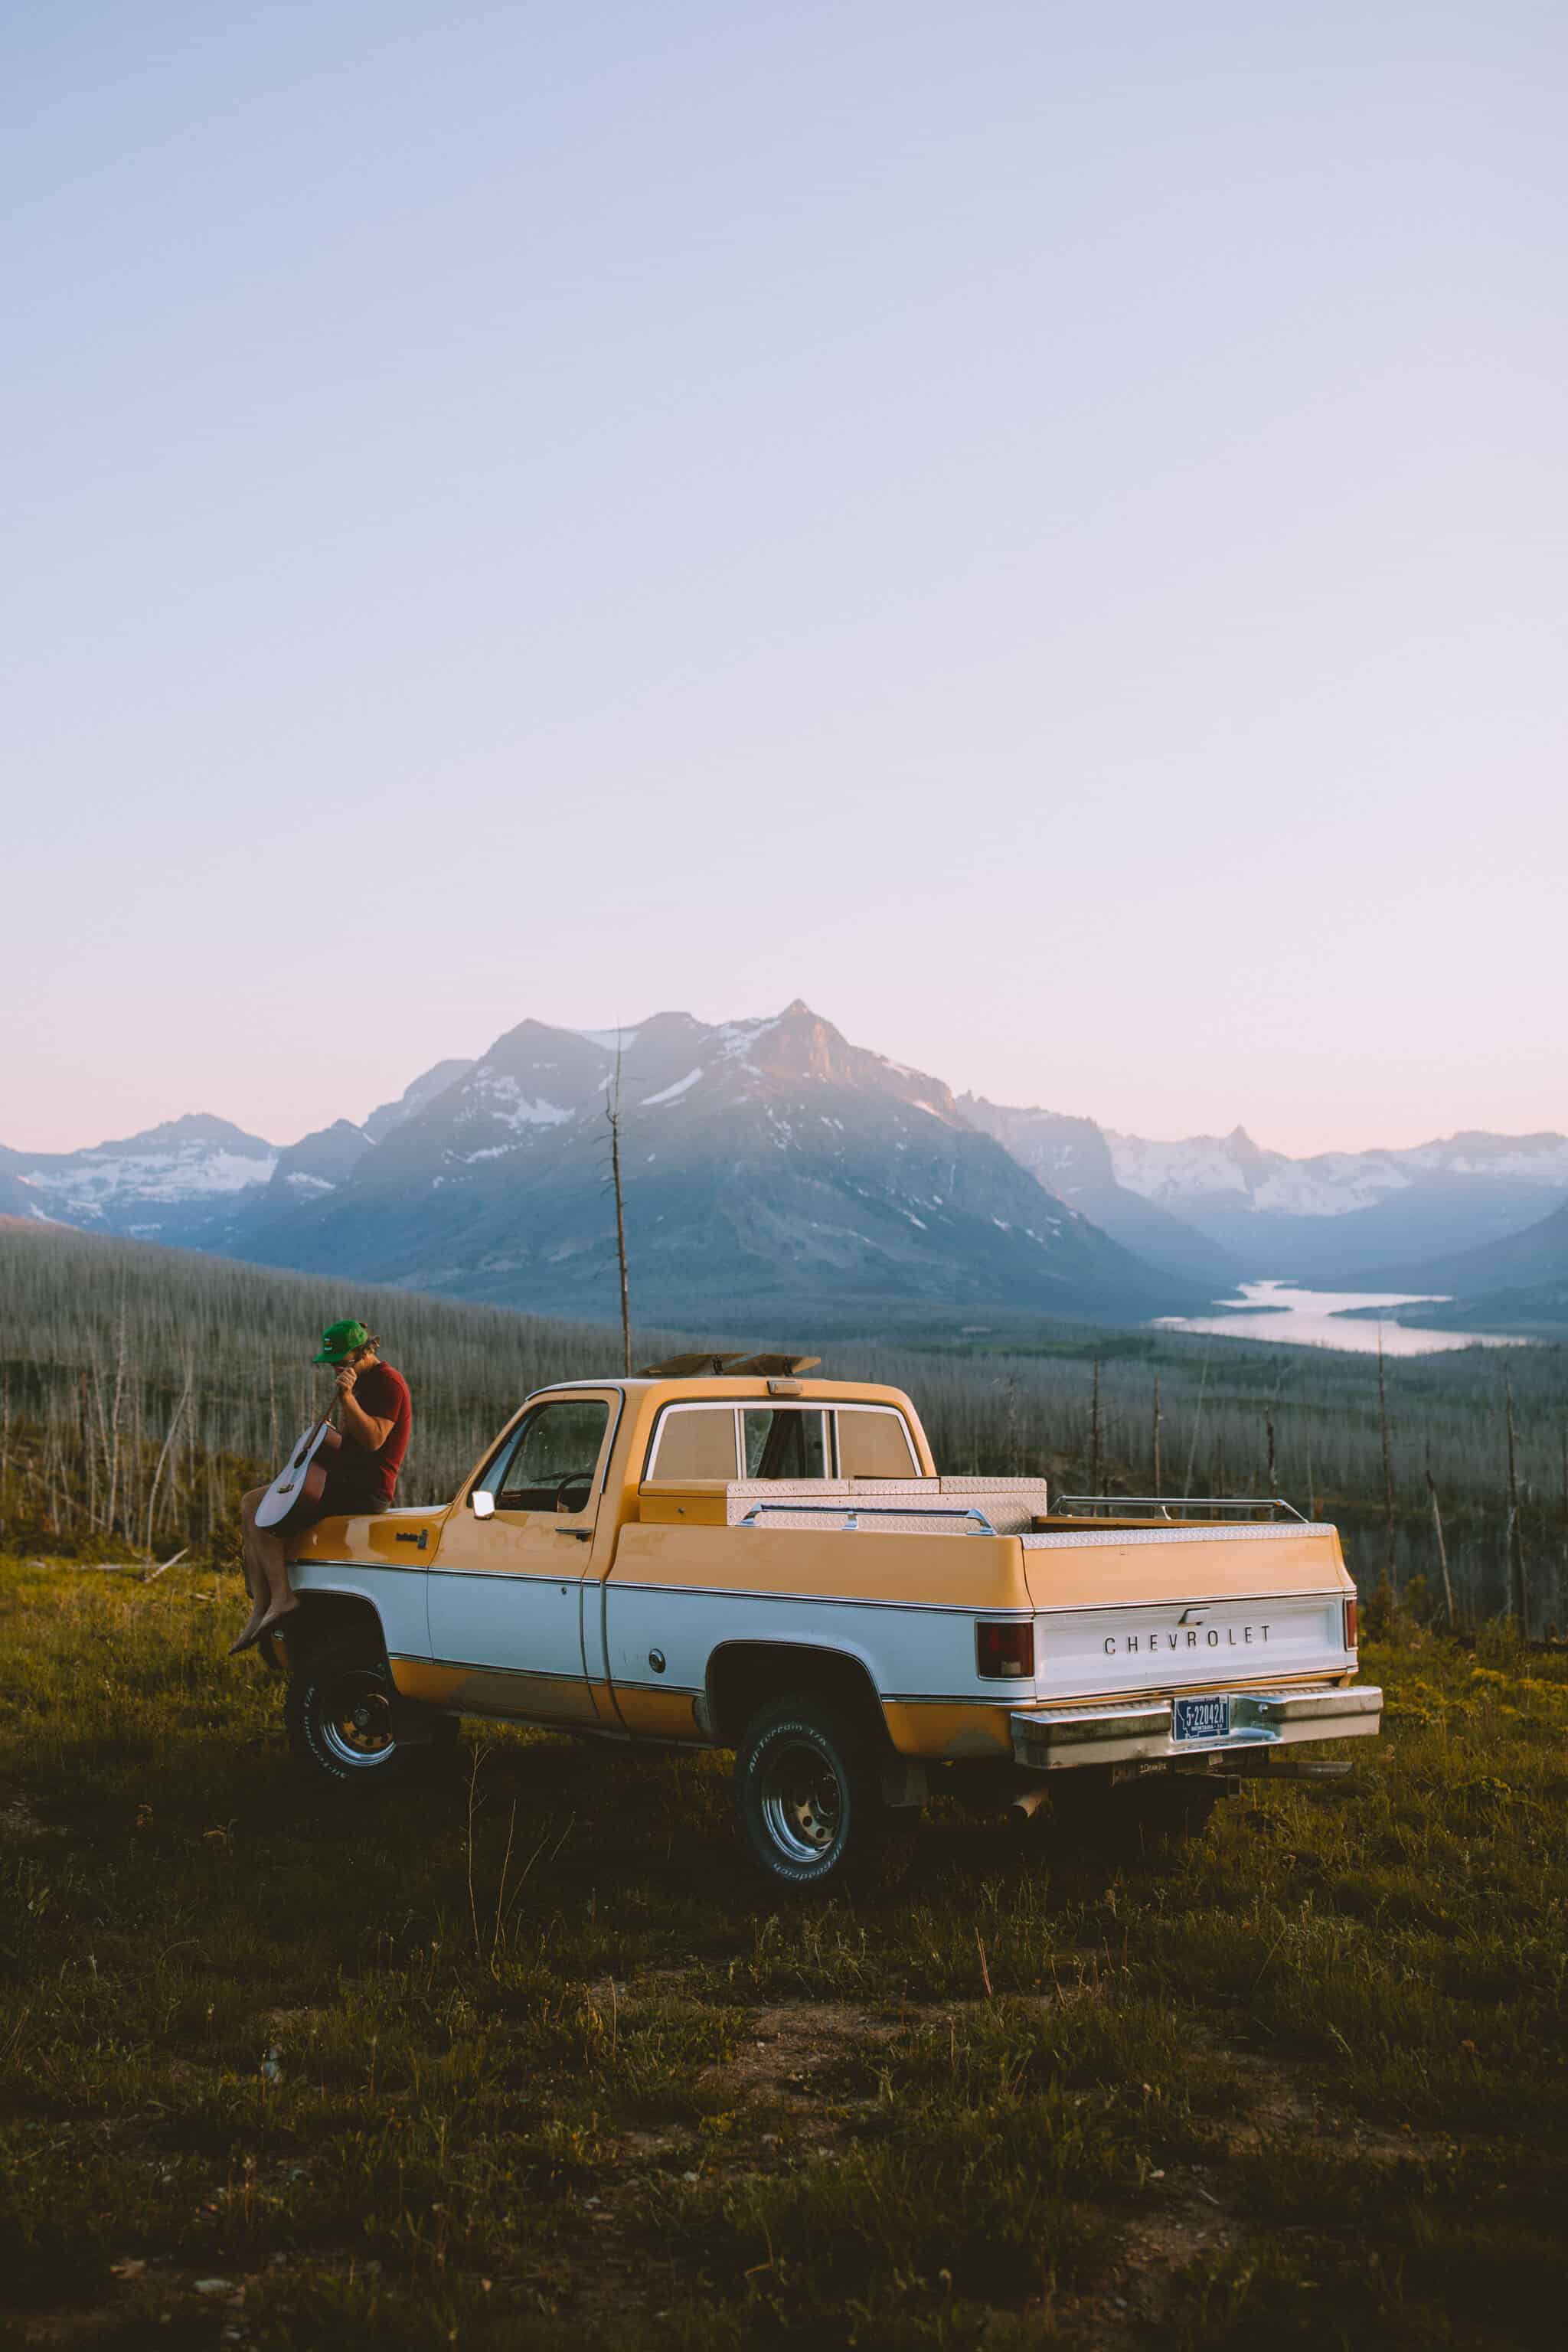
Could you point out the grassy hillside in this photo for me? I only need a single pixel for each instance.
(520, 2058)
(141, 1388)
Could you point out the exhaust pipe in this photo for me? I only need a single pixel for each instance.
(1025, 1806)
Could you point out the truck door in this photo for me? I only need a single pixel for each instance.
(506, 1586)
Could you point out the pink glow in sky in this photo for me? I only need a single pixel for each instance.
(1044, 531)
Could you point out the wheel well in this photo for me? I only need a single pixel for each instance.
(324, 1614)
(743, 1676)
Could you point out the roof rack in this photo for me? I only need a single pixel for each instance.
(711, 1367)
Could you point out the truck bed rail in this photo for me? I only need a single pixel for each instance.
(852, 1512)
(1162, 1507)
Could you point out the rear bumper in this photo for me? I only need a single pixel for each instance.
(1056, 1739)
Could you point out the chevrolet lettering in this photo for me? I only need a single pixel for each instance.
(724, 1552)
(1188, 1637)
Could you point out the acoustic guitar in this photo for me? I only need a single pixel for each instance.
(294, 1498)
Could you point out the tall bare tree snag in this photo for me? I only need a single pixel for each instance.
(1094, 1443)
(1519, 1597)
(1158, 1490)
(1390, 1569)
(613, 1112)
(1197, 1420)
(167, 1448)
(113, 1451)
(1442, 1547)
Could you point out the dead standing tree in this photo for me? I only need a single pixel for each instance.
(1442, 1547)
(1390, 1569)
(1197, 1423)
(1015, 1428)
(1519, 1597)
(613, 1113)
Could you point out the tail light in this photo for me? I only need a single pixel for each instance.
(1004, 1652)
(1351, 1621)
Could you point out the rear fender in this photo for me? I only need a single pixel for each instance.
(743, 1676)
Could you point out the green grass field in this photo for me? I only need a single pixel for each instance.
(520, 2057)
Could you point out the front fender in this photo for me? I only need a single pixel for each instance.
(397, 1596)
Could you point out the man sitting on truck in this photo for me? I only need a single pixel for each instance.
(375, 1415)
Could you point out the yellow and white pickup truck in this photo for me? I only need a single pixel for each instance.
(769, 1563)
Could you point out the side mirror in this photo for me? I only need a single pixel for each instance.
(482, 1505)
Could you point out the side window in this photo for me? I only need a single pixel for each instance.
(695, 1442)
(874, 1445)
(556, 1447)
(784, 1442)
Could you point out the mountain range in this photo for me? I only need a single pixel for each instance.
(774, 1172)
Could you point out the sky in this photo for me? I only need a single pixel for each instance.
(1042, 529)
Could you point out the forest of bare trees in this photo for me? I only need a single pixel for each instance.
(141, 1388)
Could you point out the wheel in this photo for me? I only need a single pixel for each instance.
(339, 1710)
(808, 1794)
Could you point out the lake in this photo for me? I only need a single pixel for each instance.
(1326, 1319)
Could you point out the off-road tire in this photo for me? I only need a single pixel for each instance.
(809, 1798)
(340, 1712)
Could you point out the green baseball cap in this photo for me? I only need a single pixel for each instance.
(340, 1341)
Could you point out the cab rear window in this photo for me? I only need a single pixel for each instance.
(804, 1441)
(694, 1442)
(874, 1442)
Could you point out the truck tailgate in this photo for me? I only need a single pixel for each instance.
(1179, 1644)
(1173, 1608)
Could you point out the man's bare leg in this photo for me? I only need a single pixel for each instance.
(266, 1575)
(256, 1582)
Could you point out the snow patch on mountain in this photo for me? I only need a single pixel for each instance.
(672, 1093)
(506, 1101)
(95, 1180)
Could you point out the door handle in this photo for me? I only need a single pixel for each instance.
(578, 1535)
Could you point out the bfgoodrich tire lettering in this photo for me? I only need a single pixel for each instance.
(808, 1794)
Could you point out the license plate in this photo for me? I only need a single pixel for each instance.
(1200, 1719)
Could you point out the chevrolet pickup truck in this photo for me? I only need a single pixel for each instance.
(768, 1563)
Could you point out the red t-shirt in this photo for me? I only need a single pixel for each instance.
(381, 1391)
